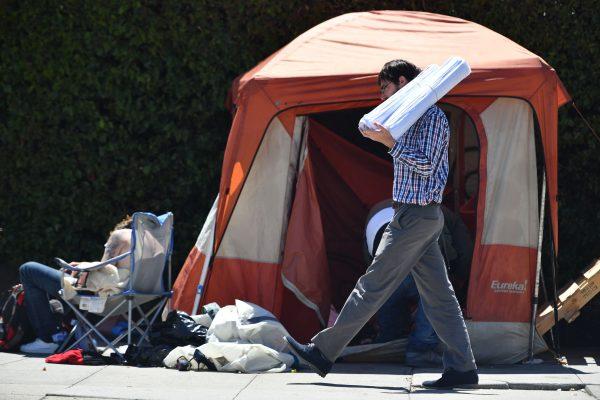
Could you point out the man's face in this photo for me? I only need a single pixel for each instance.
(387, 88)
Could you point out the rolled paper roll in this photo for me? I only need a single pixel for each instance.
(407, 105)
(422, 97)
(450, 74)
(382, 112)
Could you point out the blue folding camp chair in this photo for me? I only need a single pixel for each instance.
(151, 247)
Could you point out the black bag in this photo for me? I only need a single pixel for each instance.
(15, 327)
(147, 356)
(178, 329)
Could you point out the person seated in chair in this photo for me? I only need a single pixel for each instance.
(424, 347)
(41, 281)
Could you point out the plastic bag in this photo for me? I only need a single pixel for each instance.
(178, 329)
(246, 358)
(247, 323)
(242, 338)
(146, 356)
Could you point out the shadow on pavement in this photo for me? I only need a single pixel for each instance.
(343, 385)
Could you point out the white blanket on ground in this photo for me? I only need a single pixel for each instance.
(407, 105)
(241, 338)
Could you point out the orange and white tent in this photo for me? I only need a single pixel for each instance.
(298, 180)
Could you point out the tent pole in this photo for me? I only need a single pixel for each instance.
(206, 265)
(547, 300)
(554, 329)
(538, 268)
(200, 288)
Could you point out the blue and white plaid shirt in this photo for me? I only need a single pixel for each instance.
(421, 160)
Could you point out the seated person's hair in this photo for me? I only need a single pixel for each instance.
(125, 223)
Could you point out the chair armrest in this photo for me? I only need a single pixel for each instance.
(64, 265)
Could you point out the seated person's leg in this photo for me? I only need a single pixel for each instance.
(422, 349)
(422, 337)
(393, 317)
(39, 281)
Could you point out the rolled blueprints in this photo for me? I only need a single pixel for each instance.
(450, 74)
(407, 105)
(383, 111)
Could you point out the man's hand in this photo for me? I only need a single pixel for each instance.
(381, 135)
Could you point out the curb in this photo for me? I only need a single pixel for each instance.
(483, 385)
(547, 386)
(566, 387)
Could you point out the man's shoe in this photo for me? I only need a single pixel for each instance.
(427, 358)
(451, 379)
(311, 355)
(38, 346)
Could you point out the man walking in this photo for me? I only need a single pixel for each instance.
(409, 245)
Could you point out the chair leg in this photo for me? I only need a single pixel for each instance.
(86, 335)
(82, 318)
(129, 306)
(145, 318)
(156, 310)
(136, 325)
(67, 340)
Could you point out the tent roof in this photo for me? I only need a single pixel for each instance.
(358, 44)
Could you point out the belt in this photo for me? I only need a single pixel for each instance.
(396, 205)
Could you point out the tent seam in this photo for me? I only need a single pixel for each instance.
(303, 299)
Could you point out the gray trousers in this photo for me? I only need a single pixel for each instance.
(408, 245)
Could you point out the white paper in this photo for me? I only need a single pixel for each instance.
(84, 303)
(92, 304)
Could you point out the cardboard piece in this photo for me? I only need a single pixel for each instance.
(571, 299)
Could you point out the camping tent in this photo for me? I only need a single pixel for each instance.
(298, 180)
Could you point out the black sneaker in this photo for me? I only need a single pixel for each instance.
(311, 355)
(451, 379)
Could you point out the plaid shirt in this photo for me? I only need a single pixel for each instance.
(421, 160)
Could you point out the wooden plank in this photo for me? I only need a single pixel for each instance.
(571, 299)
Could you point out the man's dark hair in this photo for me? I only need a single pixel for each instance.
(393, 70)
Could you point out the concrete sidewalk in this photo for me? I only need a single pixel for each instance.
(28, 378)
